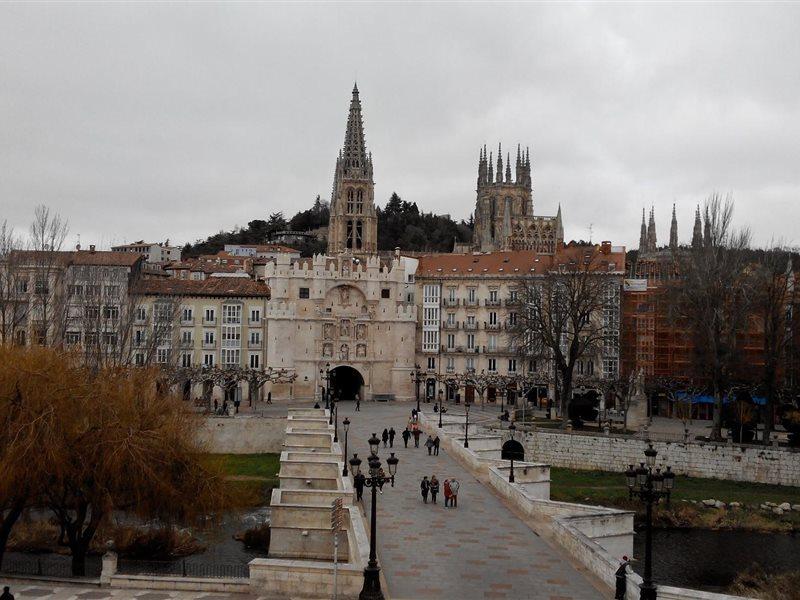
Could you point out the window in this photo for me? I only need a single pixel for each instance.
(512, 295)
(73, 337)
(470, 364)
(471, 295)
(451, 341)
(162, 312)
(110, 340)
(210, 315)
(492, 318)
(430, 293)
(111, 312)
(111, 291)
(471, 321)
(141, 313)
(162, 355)
(451, 318)
(492, 295)
(304, 293)
(91, 312)
(512, 365)
(208, 337)
(431, 362)
(385, 293)
(75, 291)
(41, 286)
(430, 341)
(610, 367)
(138, 336)
(512, 319)
(208, 360)
(255, 315)
(590, 368)
(230, 357)
(451, 364)
(231, 336)
(231, 314)
(255, 360)
(255, 337)
(492, 365)
(492, 342)
(451, 294)
(186, 359)
(93, 290)
(187, 314)
(22, 286)
(471, 341)
(186, 337)
(138, 359)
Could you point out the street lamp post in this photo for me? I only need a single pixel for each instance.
(466, 424)
(326, 375)
(332, 410)
(416, 378)
(650, 486)
(441, 393)
(512, 430)
(372, 583)
(346, 425)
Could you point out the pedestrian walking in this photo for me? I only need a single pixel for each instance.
(436, 442)
(425, 487)
(236, 404)
(621, 579)
(392, 433)
(358, 402)
(269, 397)
(429, 445)
(6, 595)
(447, 493)
(414, 414)
(434, 488)
(358, 483)
(416, 438)
(406, 435)
(216, 406)
(385, 436)
(454, 485)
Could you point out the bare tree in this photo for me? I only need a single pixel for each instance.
(773, 285)
(561, 319)
(712, 298)
(12, 284)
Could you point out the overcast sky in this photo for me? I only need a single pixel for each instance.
(176, 121)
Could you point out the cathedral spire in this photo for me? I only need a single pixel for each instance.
(499, 163)
(707, 229)
(673, 230)
(355, 148)
(643, 236)
(651, 231)
(518, 170)
(482, 166)
(508, 168)
(697, 232)
(490, 178)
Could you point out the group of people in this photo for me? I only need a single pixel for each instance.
(431, 486)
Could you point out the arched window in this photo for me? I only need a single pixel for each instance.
(359, 201)
(349, 238)
(350, 200)
(359, 235)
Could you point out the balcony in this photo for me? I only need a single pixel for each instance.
(255, 344)
(187, 344)
(475, 350)
(470, 326)
(511, 302)
(187, 322)
(210, 322)
(450, 302)
(473, 303)
(491, 326)
(255, 322)
(450, 325)
(209, 345)
(494, 302)
(450, 370)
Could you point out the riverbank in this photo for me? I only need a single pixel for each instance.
(686, 509)
(250, 477)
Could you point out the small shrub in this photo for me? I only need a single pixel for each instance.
(256, 538)
(162, 543)
(755, 582)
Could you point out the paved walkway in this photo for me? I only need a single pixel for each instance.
(59, 591)
(479, 550)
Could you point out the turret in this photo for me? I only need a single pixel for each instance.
(697, 232)
(643, 236)
(673, 230)
(651, 231)
(499, 163)
(490, 176)
(508, 168)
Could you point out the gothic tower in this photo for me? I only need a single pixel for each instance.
(353, 226)
(697, 233)
(651, 232)
(673, 231)
(643, 236)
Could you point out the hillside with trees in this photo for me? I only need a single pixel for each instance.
(400, 223)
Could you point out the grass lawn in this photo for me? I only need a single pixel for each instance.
(602, 487)
(251, 477)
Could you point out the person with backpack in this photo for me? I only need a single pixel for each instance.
(424, 488)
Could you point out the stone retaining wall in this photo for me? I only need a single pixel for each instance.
(713, 460)
(242, 435)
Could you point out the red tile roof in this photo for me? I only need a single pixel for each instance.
(101, 258)
(224, 287)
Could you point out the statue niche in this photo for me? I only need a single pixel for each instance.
(327, 350)
(344, 352)
(361, 331)
(327, 331)
(344, 328)
(361, 351)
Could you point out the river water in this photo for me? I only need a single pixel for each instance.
(710, 560)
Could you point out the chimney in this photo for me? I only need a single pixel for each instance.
(605, 247)
(91, 247)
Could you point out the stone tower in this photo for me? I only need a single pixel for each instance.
(353, 226)
(504, 218)
(673, 230)
(697, 232)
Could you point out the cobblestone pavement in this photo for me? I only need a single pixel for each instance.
(478, 550)
(59, 591)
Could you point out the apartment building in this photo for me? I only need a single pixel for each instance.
(153, 252)
(219, 321)
(471, 302)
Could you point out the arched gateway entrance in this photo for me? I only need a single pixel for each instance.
(346, 382)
